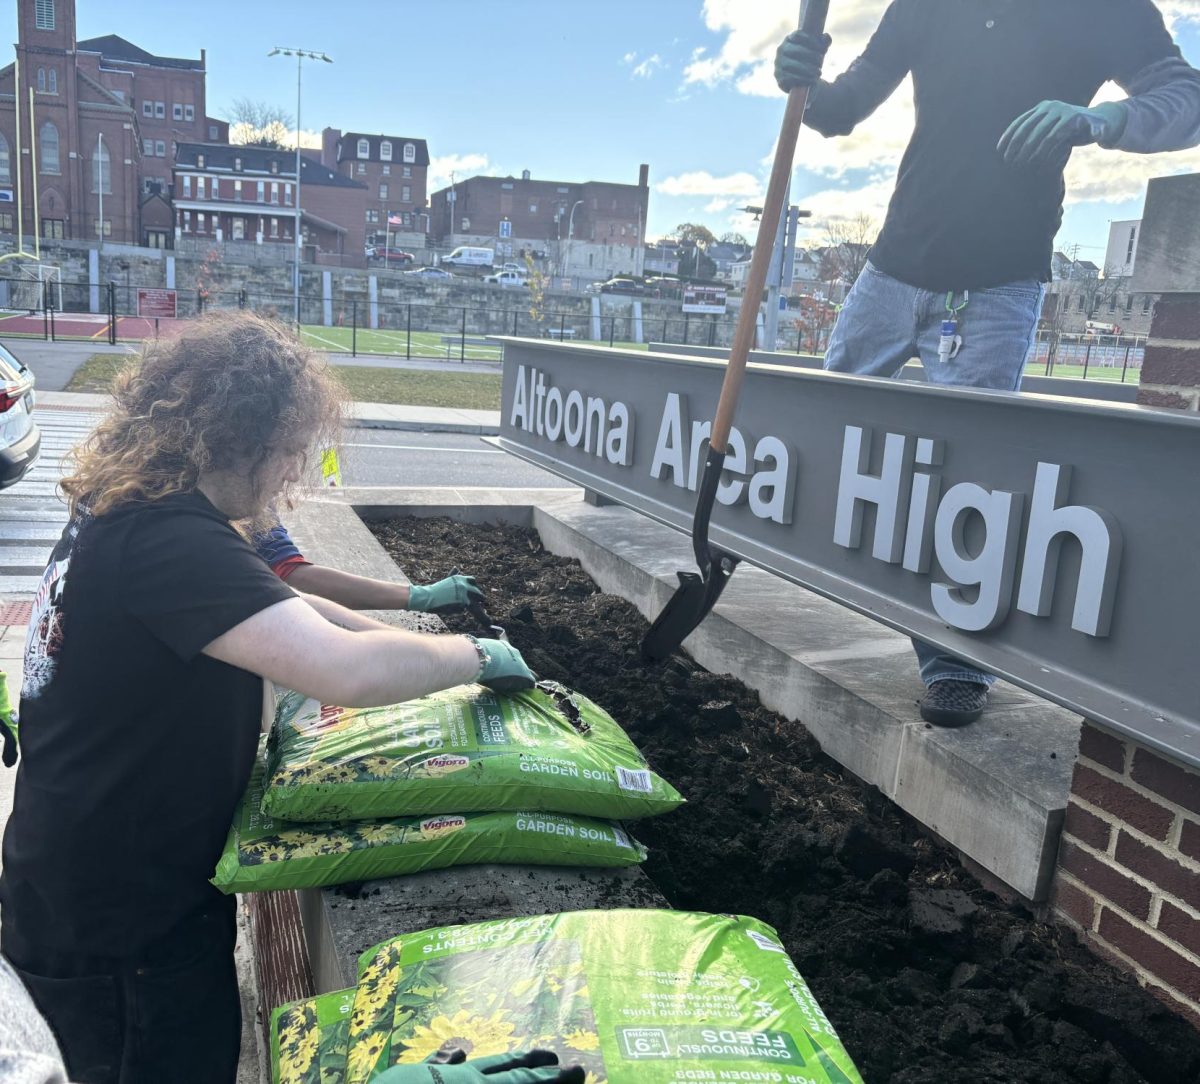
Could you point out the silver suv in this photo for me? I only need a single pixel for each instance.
(20, 439)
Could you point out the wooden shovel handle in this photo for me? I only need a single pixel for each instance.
(813, 21)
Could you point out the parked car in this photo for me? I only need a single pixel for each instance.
(430, 273)
(520, 269)
(394, 256)
(507, 278)
(622, 285)
(470, 256)
(20, 438)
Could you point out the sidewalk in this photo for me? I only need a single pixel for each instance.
(422, 419)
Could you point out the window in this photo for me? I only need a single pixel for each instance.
(41, 80)
(507, 185)
(383, 191)
(364, 149)
(160, 149)
(1081, 302)
(275, 165)
(53, 228)
(1132, 242)
(212, 133)
(53, 80)
(261, 191)
(148, 148)
(361, 168)
(187, 187)
(107, 227)
(372, 216)
(199, 188)
(1112, 303)
(156, 239)
(6, 223)
(237, 189)
(101, 171)
(160, 109)
(216, 188)
(237, 165)
(5, 160)
(274, 191)
(187, 221)
(147, 109)
(177, 111)
(274, 227)
(287, 194)
(406, 194)
(48, 146)
(410, 152)
(406, 171)
(44, 15)
(189, 112)
(1146, 305)
(385, 151)
(561, 188)
(239, 229)
(200, 219)
(1129, 304)
(199, 161)
(387, 171)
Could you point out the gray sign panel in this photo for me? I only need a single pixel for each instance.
(1049, 541)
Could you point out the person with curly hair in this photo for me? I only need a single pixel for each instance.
(152, 631)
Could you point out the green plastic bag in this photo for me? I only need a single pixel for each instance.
(454, 752)
(309, 1039)
(635, 997)
(262, 854)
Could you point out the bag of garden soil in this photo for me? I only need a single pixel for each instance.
(309, 1039)
(456, 751)
(262, 854)
(635, 997)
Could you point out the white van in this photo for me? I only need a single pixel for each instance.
(466, 256)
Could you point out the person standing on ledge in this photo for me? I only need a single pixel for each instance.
(1003, 91)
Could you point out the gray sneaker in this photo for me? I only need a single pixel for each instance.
(953, 703)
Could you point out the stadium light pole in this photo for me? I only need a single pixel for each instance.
(301, 55)
(570, 231)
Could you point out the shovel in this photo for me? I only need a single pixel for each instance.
(697, 593)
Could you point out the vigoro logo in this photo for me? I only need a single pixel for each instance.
(444, 764)
(441, 826)
(331, 718)
(915, 523)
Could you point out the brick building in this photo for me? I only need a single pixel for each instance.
(395, 170)
(225, 192)
(589, 228)
(106, 117)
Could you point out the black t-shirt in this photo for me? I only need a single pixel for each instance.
(960, 218)
(135, 747)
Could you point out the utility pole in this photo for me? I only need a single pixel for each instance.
(782, 256)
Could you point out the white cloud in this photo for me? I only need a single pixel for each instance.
(703, 183)
(629, 58)
(716, 206)
(461, 165)
(1113, 177)
(646, 68)
(843, 204)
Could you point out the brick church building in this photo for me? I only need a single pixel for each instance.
(88, 131)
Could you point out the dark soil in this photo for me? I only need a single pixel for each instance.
(926, 975)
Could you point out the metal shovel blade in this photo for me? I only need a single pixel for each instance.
(693, 599)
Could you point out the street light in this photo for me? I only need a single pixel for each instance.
(570, 229)
(301, 55)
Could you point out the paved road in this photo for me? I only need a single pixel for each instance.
(391, 457)
(31, 514)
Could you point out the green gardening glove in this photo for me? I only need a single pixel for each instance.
(453, 1068)
(8, 724)
(1046, 134)
(452, 593)
(799, 58)
(502, 669)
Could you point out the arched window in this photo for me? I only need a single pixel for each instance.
(410, 152)
(364, 149)
(5, 161)
(101, 173)
(41, 80)
(385, 151)
(48, 148)
(53, 84)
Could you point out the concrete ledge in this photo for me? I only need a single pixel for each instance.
(996, 791)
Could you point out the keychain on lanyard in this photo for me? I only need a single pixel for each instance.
(951, 341)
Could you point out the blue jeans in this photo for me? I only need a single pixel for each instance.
(885, 323)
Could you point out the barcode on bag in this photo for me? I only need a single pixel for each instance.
(621, 838)
(639, 781)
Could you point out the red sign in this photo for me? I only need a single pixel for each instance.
(155, 303)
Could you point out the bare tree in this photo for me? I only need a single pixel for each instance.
(847, 242)
(734, 239)
(259, 124)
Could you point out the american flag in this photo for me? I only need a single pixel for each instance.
(394, 220)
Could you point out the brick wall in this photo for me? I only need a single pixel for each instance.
(1171, 371)
(1128, 873)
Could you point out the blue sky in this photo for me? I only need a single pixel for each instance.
(572, 90)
